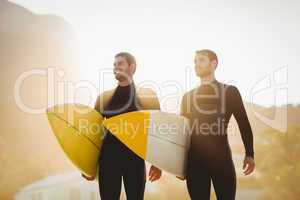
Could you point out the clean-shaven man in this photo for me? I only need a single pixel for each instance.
(209, 108)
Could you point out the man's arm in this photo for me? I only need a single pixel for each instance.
(97, 104)
(184, 107)
(241, 117)
(103, 99)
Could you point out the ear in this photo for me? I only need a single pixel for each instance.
(132, 68)
(214, 64)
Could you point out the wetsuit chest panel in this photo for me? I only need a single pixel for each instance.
(207, 115)
(208, 122)
(123, 100)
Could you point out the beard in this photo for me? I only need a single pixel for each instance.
(121, 76)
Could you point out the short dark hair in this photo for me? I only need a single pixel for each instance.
(210, 54)
(128, 57)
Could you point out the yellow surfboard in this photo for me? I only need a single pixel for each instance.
(160, 138)
(78, 129)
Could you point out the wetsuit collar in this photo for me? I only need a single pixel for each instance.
(212, 82)
(127, 86)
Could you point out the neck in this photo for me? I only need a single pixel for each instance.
(208, 79)
(125, 82)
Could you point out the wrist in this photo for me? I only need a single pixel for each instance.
(250, 154)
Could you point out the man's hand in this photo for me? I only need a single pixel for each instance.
(248, 166)
(87, 177)
(154, 173)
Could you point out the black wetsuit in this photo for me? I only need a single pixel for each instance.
(117, 161)
(209, 108)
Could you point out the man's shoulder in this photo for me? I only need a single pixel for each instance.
(189, 93)
(147, 98)
(228, 86)
(230, 90)
(103, 99)
(145, 92)
(106, 94)
(141, 92)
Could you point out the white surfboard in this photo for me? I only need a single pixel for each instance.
(160, 138)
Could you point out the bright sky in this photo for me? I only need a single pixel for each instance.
(255, 40)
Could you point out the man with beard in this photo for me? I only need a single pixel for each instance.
(117, 161)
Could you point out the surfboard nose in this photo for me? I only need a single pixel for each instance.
(51, 109)
(79, 131)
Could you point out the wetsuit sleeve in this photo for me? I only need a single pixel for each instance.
(156, 104)
(183, 106)
(97, 104)
(148, 99)
(102, 100)
(186, 106)
(241, 117)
